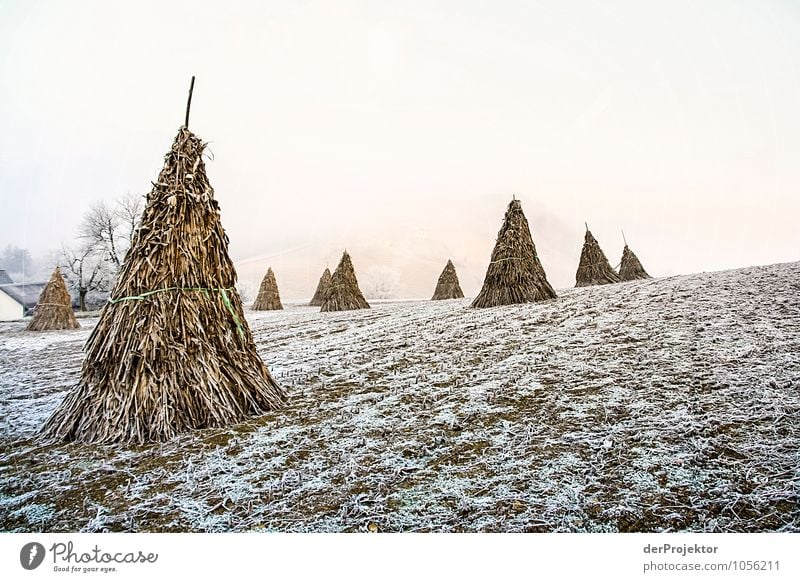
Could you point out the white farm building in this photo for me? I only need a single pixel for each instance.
(17, 299)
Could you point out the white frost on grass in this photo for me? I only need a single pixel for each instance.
(659, 405)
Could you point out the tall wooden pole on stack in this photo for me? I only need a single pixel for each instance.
(189, 103)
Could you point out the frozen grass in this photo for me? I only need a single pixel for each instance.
(658, 405)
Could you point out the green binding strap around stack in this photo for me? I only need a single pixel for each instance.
(221, 290)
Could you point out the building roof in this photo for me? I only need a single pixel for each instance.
(5, 279)
(26, 294)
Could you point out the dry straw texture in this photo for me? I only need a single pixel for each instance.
(448, 287)
(322, 289)
(172, 350)
(268, 297)
(54, 308)
(515, 274)
(631, 268)
(344, 294)
(593, 268)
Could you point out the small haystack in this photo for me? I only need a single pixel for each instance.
(172, 350)
(268, 297)
(447, 287)
(515, 274)
(594, 268)
(322, 289)
(54, 308)
(344, 294)
(631, 268)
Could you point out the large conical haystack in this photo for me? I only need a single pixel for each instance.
(593, 268)
(172, 350)
(54, 308)
(515, 274)
(447, 287)
(268, 297)
(322, 289)
(344, 294)
(630, 268)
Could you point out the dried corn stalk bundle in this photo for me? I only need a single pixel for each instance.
(322, 289)
(172, 350)
(447, 287)
(54, 308)
(631, 268)
(594, 268)
(268, 297)
(515, 274)
(343, 293)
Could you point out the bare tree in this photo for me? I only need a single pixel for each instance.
(247, 291)
(129, 211)
(86, 270)
(100, 232)
(109, 230)
(381, 283)
(104, 236)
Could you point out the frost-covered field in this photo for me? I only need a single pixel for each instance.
(670, 404)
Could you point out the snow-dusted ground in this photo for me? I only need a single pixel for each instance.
(661, 405)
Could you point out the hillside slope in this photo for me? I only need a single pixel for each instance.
(658, 405)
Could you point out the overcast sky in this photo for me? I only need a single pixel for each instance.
(400, 130)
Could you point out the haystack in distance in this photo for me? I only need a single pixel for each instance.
(344, 294)
(631, 268)
(515, 274)
(322, 289)
(447, 287)
(593, 268)
(54, 308)
(172, 350)
(268, 298)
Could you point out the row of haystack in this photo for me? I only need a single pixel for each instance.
(515, 274)
(337, 292)
(340, 291)
(594, 268)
